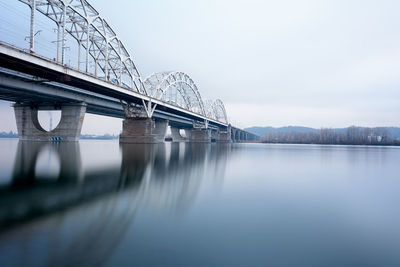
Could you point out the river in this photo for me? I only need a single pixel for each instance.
(101, 203)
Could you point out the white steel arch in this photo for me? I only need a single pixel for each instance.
(219, 111)
(176, 88)
(80, 20)
(208, 106)
(179, 89)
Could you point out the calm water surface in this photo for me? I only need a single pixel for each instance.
(99, 203)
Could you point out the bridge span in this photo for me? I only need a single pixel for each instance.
(109, 85)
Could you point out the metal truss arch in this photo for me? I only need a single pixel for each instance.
(208, 107)
(216, 110)
(219, 111)
(83, 22)
(176, 88)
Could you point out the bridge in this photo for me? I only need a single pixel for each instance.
(104, 80)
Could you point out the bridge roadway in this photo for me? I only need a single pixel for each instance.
(29, 78)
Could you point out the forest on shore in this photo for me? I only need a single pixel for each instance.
(352, 135)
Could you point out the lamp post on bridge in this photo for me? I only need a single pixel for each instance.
(32, 27)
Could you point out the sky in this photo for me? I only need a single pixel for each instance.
(273, 63)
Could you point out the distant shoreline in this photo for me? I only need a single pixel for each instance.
(330, 144)
(353, 135)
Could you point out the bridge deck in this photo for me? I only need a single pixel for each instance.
(52, 73)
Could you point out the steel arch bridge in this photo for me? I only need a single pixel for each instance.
(106, 57)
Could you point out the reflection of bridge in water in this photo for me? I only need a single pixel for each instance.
(166, 176)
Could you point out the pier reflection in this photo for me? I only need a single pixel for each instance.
(78, 216)
(65, 156)
(170, 175)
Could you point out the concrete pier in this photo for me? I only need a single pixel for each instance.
(187, 133)
(143, 131)
(224, 137)
(214, 134)
(176, 135)
(69, 128)
(200, 135)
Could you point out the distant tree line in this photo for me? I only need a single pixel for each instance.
(99, 137)
(349, 136)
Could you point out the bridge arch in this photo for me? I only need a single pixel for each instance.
(219, 111)
(83, 22)
(216, 110)
(208, 107)
(176, 88)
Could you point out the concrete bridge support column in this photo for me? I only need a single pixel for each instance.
(176, 136)
(224, 137)
(214, 135)
(143, 131)
(199, 135)
(68, 129)
(236, 136)
(241, 136)
(187, 134)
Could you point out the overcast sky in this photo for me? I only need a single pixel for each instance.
(311, 63)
